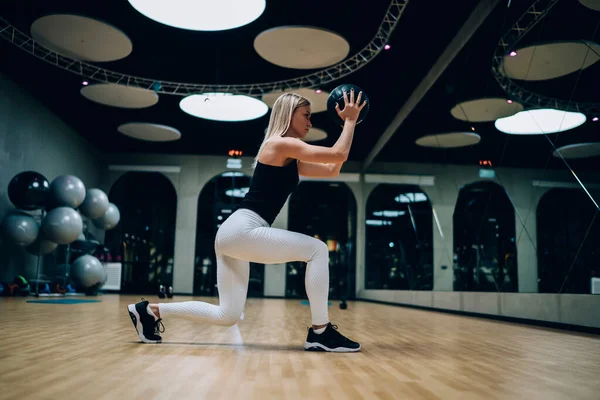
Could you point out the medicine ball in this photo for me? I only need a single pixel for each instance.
(337, 96)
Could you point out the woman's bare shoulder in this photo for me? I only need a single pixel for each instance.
(271, 153)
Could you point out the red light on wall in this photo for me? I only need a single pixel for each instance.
(235, 153)
(485, 163)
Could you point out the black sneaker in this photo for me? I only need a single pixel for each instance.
(147, 328)
(330, 340)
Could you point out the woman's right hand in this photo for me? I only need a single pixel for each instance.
(351, 109)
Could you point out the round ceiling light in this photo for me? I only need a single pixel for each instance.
(485, 109)
(550, 60)
(80, 37)
(578, 150)
(149, 132)
(223, 107)
(540, 122)
(201, 15)
(449, 140)
(110, 94)
(301, 47)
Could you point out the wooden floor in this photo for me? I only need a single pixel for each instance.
(91, 351)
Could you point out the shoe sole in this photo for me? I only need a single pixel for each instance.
(319, 347)
(135, 318)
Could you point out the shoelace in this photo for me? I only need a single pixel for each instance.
(157, 325)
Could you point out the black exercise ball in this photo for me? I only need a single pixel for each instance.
(337, 96)
(29, 190)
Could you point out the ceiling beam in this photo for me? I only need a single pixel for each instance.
(479, 14)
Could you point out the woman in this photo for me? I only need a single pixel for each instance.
(246, 236)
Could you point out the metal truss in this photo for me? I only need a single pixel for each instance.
(534, 14)
(93, 73)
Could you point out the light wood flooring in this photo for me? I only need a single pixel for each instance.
(91, 351)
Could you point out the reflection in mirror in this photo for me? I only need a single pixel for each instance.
(217, 201)
(484, 240)
(326, 211)
(144, 239)
(568, 237)
(399, 238)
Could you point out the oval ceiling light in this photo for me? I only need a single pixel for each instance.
(578, 150)
(80, 37)
(449, 140)
(301, 47)
(223, 107)
(149, 132)
(550, 60)
(485, 109)
(540, 122)
(201, 15)
(110, 94)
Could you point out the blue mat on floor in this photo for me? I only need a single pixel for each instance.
(306, 303)
(63, 301)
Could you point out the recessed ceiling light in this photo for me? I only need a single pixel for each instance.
(540, 122)
(201, 15)
(223, 107)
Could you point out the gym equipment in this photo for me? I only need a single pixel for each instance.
(62, 225)
(28, 190)
(337, 96)
(95, 204)
(58, 223)
(67, 191)
(20, 228)
(162, 292)
(23, 287)
(87, 271)
(46, 289)
(64, 301)
(110, 219)
(170, 292)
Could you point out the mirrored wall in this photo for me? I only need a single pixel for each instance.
(485, 251)
(326, 211)
(216, 202)
(399, 238)
(144, 239)
(507, 139)
(568, 244)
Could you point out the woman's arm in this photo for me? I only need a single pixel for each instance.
(338, 153)
(319, 170)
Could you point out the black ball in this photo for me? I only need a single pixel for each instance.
(337, 96)
(29, 190)
(343, 305)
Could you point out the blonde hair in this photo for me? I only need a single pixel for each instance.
(281, 117)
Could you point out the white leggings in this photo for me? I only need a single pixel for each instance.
(246, 237)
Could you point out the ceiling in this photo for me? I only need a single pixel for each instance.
(229, 57)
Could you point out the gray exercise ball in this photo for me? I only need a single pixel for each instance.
(41, 246)
(110, 219)
(95, 204)
(20, 228)
(62, 225)
(67, 191)
(87, 271)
